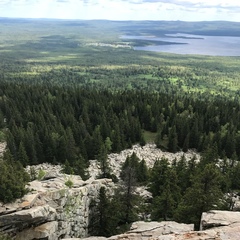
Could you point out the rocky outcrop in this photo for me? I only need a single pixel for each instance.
(19, 219)
(215, 225)
(44, 231)
(150, 153)
(214, 218)
(51, 210)
(149, 230)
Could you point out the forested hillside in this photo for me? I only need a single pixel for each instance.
(64, 101)
(56, 124)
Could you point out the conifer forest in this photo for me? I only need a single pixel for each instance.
(74, 91)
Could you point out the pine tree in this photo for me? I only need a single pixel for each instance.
(158, 176)
(186, 143)
(166, 203)
(97, 141)
(204, 194)
(102, 221)
(22, 155)
(13, 179)
(172, 140)
(103, 161)
(158, 139)
(67, 168)
(128, 197)
(99, 220)
(194, 135)
(79, 167)
(108, 144)
(142, 172)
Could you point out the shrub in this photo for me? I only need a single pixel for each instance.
(41, 174)
(69, 183)
(13, 179)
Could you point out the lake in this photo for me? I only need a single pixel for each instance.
(181, 43)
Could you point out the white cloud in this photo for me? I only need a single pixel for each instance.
(193, 10)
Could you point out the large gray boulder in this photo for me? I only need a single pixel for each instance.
(215, 218)
(27, 217)
(51, 209)
(217, 225)
(45, 231)
(147, 230)
(155, 229)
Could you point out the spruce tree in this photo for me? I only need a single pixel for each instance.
(13, 178)
(22, 155)
(165, 204)
(103, 162)
(204, 194)
(173, 140)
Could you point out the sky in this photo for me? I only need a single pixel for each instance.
(185, 10)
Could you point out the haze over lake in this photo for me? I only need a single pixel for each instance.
(181, 43)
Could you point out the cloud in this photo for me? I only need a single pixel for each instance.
(213, 9)
(225, 4)
(193, 10)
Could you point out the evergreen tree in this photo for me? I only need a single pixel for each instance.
(142, 172)
(194, 135)
(103, 161)
(158, 176)
(173, 140)
(79, 167)
(235, 176)
(186, 143)
(108, 144)
(101, 216)
(13, 179)
(97, 142)
(183, 174)
(158, 139)
(166, 203)
(210, 155)
(22, 155)
(67, 168)
(128, 197)
(204, 194)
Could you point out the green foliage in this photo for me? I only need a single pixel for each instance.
(65, 101)
(2, 136)
(108, 144)
(78, 167)
(102, 221)
(166, 203)
(158, 138)
(235, 176)
(173, 140)
(41, 174)
(158, 176)
(69, 183)
(142, 172)
(103, 160)
(67, 168)
(138, 168)
(204, 194)
(13, 179)
(33, 174)
(22, 155)
(126, 193)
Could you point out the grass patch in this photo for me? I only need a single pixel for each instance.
(149, 136)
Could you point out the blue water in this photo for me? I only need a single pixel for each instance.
(193, 44)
